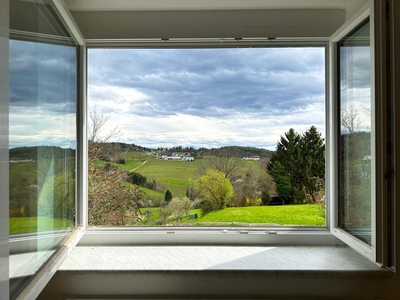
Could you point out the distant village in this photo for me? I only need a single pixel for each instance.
(187, 156)
(184, 156)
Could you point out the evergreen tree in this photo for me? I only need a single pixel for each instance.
(168, 196)
(288, 153)
(282, 182)
(302, 158)
(313, 162)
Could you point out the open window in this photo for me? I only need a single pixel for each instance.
(360, 131)
(207, 135)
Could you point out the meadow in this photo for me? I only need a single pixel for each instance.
(176, 175)
(35, 224)
(290, 215)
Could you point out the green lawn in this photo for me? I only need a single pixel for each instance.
(297, 215)
(30, 224)
(304, 215)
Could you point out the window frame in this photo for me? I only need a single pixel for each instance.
(347, 238)
(331, 233)
(27, 242)
(207, 235)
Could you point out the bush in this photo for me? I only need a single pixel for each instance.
(111, 203)
(138, 179)
(168, 196)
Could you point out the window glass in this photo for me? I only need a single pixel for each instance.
(42, 141)
(355, 133)
(207, 137)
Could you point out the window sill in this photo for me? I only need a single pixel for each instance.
(232, 261)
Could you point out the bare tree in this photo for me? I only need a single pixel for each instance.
(366, 109)
(225, 163)
(97, 121)
(349, 119)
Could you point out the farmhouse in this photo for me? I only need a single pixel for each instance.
(255, 157)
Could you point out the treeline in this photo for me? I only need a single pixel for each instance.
(40, 151)
(129, 147)
(237, 151)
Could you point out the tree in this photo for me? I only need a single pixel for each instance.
(225, 163)
(302, 158)
(97, 121)
(288, 153)
(282, 182)
(177, 208)
(99, 148)
(214, 189)
(349, 119)
(168, 196)
(111, 203)
(313, 162)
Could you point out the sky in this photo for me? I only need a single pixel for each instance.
(42, 93)
(169, 97)
(208, 97)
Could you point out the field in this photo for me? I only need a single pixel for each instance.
(297, 215)
(34, 224)
(175, 175)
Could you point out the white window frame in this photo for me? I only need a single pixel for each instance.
(329, 235)
(361, 247)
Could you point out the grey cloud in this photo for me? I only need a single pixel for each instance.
(273, 80)
(42, 74)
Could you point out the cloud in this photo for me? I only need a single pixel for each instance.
(209, 97)
(42, 94)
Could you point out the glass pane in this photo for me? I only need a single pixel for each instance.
(42, 141)
(207, 137)
(355, 133)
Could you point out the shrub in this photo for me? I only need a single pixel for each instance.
(138, 179)
(111, 203)
(168, 196)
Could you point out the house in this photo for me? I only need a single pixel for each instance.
(187, 158)
(253, 157)
(223, 263)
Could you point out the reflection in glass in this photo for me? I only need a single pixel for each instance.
(355, 133)
(42, 124)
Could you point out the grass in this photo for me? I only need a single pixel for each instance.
(299, 215)
(30, 224)
(155, 196)
(175, 175)
(295, 215)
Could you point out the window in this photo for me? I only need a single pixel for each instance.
(43, 169)
(197, 131)
(355, 133)
(42, 139)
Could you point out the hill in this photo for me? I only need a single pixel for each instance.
(236, 151)
(43, 151)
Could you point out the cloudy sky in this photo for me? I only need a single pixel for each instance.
(188, 97)
(208, 97)
(42, 94)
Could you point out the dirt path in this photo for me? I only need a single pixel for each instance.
(139, 166)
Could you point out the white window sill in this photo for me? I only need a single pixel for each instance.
(279, 262)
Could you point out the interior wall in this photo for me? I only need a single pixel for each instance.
(209, 24)
(175, 285)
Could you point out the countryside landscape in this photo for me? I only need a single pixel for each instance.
(130, 185)
(226, 186)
